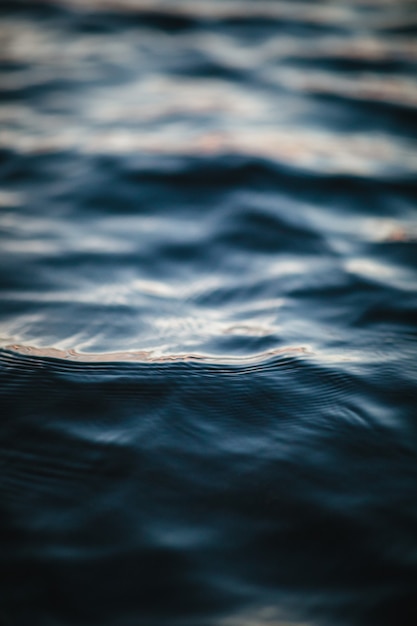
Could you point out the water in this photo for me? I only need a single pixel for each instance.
(208, 320)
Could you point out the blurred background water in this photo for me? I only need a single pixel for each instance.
(208, 313)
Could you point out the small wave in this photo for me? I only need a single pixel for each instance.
(207, 354)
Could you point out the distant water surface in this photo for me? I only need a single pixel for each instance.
(208, 288)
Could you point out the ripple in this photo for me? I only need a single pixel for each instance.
(207, 331)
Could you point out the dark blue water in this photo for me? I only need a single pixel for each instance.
(208, 363)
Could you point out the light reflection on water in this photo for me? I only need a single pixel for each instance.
(133, 93)
(207, 332)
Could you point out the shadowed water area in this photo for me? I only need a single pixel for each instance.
(208, 364)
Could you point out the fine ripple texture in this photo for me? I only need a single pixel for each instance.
(208, 358)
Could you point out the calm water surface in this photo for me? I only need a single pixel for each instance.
(208, 363)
